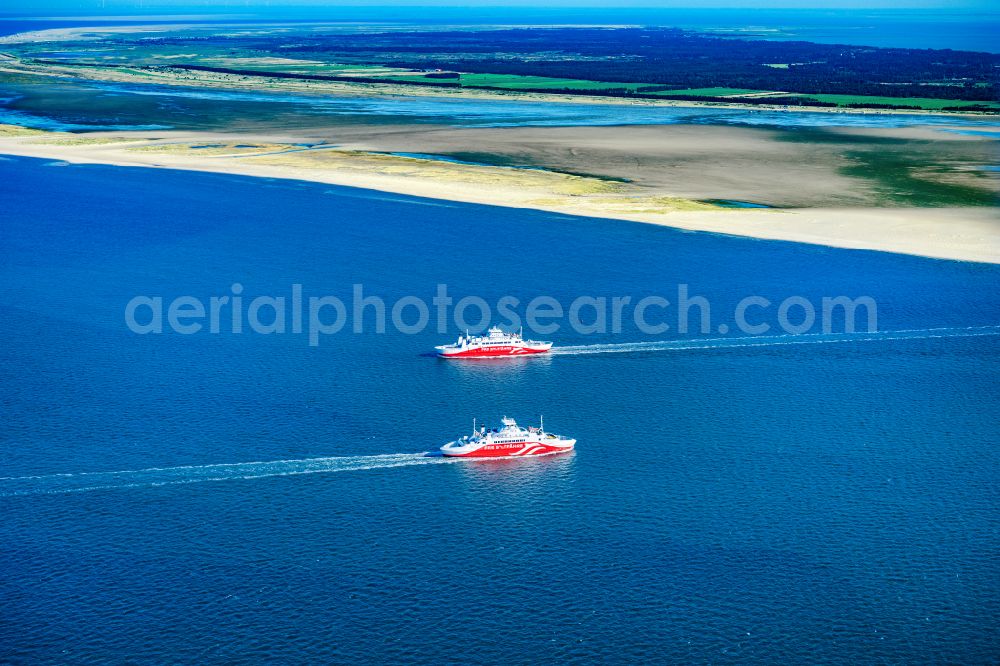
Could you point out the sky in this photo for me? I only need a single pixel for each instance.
(45, 7)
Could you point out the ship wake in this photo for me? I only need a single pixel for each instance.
(777, 340)
(166, 476)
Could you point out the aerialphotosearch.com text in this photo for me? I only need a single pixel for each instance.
(320, 316)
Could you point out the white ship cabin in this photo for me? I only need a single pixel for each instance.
(510, 433)
(495, 336)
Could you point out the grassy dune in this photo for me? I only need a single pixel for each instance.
(17, 130)
(85, 140)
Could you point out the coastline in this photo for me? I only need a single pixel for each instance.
(953, 233)
(261, 84)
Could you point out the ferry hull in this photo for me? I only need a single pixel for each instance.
(528, 450)
(493, 352)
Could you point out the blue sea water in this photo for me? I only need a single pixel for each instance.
(12, 25)
(232, 497)
(959, 28)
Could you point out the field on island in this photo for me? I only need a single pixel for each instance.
(928, 103)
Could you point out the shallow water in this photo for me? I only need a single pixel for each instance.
(733, 203)
(243, 496)
(87, 105)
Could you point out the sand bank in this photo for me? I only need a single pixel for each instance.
(962, 233)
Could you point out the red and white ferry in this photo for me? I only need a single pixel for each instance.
(495, 343)
(509, 441)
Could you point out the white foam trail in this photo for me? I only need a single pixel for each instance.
(777, 340)
(164, 476)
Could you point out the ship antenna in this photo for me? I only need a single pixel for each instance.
(541, 423)
(473, 425)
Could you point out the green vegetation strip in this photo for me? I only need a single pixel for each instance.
(921, 102)
(516, 82)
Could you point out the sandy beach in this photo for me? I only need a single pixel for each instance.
(359, 160)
